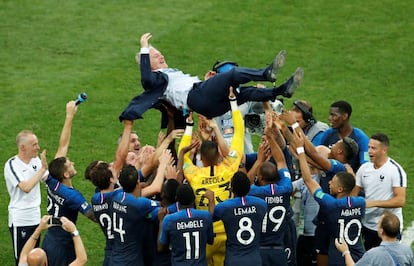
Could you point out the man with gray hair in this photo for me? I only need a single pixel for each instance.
(23, 173)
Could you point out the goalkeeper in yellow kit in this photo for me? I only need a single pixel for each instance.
(214, 176)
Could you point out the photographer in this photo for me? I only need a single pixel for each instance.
(304, 116)
(37, 256)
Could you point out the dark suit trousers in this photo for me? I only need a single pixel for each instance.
(210, 97)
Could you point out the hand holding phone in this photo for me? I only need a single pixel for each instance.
(55, 221)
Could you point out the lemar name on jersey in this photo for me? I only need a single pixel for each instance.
(245, 210)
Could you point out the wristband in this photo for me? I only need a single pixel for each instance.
(233, 98)
(75, 233)
(345, 252)
(189, 124)
(295, 125)
(300, 150)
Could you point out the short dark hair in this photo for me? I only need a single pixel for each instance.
(89, 168)
(100, 175)
(390, 224)
(381, 137)
(128, 178)
(57, 168)
(268, 171)
(209, 151)
(346, 180)
(343, 106)
(169, 190)
(351, 148)
(185, 194)
(240, 184)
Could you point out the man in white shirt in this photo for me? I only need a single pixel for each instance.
(23, 173)
(384, 182)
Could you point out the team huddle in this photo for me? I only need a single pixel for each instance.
(211, 199)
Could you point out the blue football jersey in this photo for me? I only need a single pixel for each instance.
(242, 218)
(187, 232)
(101, 203)
(344, 221)
(129, 216)
(62, 201)
(277, 197)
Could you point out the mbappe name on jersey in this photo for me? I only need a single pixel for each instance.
(245, 210)
(189, 224)
(351, 212)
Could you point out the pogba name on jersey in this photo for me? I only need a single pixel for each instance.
(244, 210)
(189, 224)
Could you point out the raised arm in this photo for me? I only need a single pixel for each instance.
(320, 161)
(27, 185)
(122, 150)
(277, 152)
(31, 242)
(152, 163)
(224, 149)
(65, 135)
(81, 256)
(299, 139)
(156, 184)
(263, 153)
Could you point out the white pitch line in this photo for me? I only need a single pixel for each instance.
(408, 235)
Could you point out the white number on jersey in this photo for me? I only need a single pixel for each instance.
(344, 230)
(277, 220)
(118, 226)
(245, 225)
(188, 245)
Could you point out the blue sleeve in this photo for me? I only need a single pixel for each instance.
(210, 231)
(146, 206)
(325, 200)
(317, 139)
(363, 141)
(164, 239)
(336, 166)
(78, 202)
(218, 211)
(321, 137)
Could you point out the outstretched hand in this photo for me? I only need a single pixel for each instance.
(145, 40)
